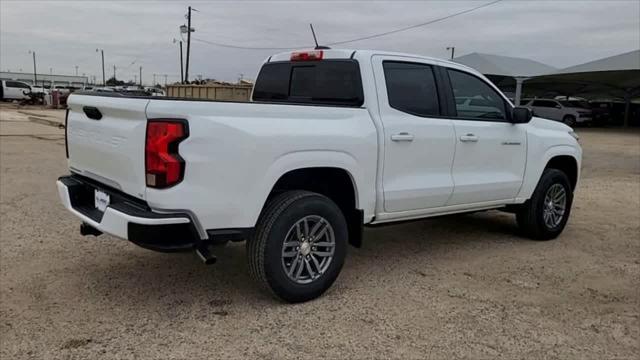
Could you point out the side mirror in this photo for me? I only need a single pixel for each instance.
(521, 115)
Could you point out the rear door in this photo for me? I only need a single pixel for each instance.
(106, 141)
(418, 143)
(490, 151)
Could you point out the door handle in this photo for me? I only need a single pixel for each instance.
(403, 136)
(469, 138)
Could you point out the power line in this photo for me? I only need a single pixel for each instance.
(416, 25)
(231, 46)
(244, 47)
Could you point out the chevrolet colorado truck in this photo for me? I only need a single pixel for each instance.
(332, 141)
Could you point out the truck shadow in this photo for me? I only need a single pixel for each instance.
(171, 283)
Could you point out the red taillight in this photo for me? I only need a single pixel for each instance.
(164, 166)
(306, 55)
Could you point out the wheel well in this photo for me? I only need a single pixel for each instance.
(334, 183)
(566, 164)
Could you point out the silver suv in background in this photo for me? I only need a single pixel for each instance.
(567, 111)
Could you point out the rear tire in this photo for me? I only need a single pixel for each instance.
(569, 120)
(545, 215)
(299, 245)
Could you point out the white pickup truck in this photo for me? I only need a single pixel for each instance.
(332, 141)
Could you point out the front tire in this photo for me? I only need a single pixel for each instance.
(299, 245)
(569, 120)
(545, 215)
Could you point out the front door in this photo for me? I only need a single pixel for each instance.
(418, 144)
(490, 151)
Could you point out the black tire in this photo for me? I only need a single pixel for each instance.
(530, 216)
(264, 248)
(569, 120)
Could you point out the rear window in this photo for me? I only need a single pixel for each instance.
(325, 82)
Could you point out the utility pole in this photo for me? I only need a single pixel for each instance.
(114, 74)
(189, 30)
(135, 79)
(104, 82)
(453, 50)
(35, 75)
(154, 80)
(165, 80)
(76, 70)
(181, 65)
(140, 76)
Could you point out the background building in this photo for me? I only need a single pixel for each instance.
(47, 80)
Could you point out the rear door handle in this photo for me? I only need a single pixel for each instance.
(403, 136)
(469, 138)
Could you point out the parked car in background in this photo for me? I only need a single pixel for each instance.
(477, 107)
(567, 112)
(155, 91)
(14, 90)
(103, 89)
(40, 89)
(63, 89)
(599, 114)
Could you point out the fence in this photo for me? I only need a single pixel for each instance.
(211, 92)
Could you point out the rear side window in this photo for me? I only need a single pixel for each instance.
(544, 103)
(411, 88)
(485, 103)
(323, 82)
(15, 84)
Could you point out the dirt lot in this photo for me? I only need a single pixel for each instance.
(457, 287)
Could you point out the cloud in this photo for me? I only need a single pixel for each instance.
(66, 33)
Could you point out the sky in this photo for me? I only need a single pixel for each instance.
(66, 34)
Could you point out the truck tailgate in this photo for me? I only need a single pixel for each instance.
(106, 141)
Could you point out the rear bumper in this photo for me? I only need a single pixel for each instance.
(128, 218)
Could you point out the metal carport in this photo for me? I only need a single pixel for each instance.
(614, 78)
(507, 73)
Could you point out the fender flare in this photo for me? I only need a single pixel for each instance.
(534, 170)
(302, 160)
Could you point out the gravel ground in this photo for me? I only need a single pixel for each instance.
(462, 286)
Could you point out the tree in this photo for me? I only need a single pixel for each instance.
(114, 82)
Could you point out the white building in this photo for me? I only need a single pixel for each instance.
(46, 79)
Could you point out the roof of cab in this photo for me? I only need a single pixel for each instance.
(364, 54)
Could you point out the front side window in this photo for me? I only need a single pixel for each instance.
(411, 88)
(484, 103)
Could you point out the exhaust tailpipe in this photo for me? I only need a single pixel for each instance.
(86, 229)
(207, 257)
